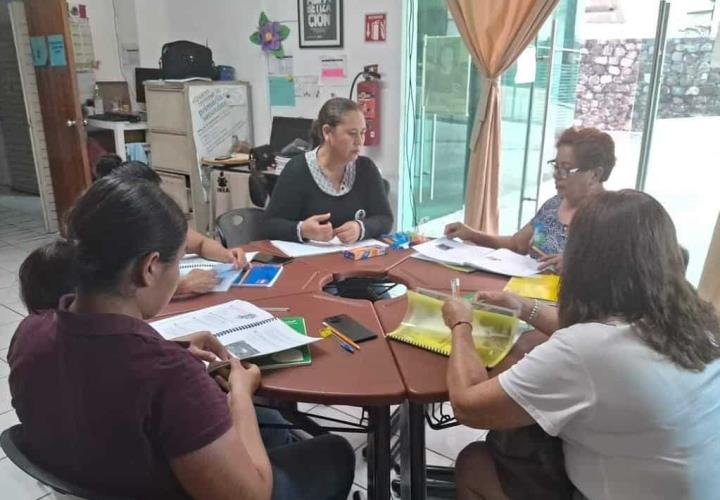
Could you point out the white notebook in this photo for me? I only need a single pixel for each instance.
(245, 329)
(293, 249)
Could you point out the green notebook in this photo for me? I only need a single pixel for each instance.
(290, 357)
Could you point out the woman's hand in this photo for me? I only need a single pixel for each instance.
(244, 377)
(205, 346)
(317, 227)
(197, 281)
(348, 232)
(551, 263)
(236, 256)
(507, 300)
(459, 230)
(456, 310)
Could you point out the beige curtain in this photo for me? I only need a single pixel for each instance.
(495, 32)
(709, 288)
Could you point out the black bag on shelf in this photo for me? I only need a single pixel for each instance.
(183, 59)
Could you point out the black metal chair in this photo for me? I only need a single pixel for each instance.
(240, 226)
(11, 443)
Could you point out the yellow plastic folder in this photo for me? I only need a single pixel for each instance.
(494, 329)
(541, 286)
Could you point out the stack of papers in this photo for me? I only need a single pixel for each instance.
(280, 162)
(292, 249)
(246, 330)
(500, 261)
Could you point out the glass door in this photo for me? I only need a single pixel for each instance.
(682, 171)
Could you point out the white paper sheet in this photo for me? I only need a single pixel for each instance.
(507, 262)
(450, 251)
(246, 330)
(292, 249)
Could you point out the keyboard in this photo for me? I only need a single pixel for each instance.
(112, 116)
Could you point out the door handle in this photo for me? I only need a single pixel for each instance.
(71, 123)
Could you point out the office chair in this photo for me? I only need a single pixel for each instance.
(240, 226)
(259, 189)
(11, 441)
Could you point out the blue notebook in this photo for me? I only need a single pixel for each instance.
(261, 275)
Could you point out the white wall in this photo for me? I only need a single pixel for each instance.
(101, 15)
(226, 26)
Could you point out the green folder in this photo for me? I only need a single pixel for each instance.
(297, 356)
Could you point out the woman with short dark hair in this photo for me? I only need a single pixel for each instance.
(630, 382)
(584, 161)
(331, 191)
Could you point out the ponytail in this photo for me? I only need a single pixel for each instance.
(47, 274)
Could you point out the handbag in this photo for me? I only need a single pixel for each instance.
(183, 59)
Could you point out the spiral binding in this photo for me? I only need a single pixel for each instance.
(208, 265)
(412, 341)
(245, 327)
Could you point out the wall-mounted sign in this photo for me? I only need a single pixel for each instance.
(375, 25)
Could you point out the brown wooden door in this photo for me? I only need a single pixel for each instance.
(59, 101)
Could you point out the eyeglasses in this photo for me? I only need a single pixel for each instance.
(562, 172)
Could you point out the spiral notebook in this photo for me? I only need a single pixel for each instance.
(494, 329)
(246, 330)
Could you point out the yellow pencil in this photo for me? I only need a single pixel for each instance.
(538, 251)
(342, 337)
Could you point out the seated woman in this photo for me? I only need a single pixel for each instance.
(585, 158)
(331, 191)
(198, 280)
(107, 403)
(631, 380)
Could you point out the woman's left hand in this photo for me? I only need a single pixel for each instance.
(456, 310)
(348, 232)
(205, 346)
(237, 257)
(551, 261)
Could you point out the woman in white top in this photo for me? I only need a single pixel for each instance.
(630, 381)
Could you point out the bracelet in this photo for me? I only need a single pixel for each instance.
(534, 311)
(461, 323)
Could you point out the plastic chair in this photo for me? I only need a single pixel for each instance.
(240, 226)
(10, 441)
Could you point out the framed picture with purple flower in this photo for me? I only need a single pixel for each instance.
(320, 23)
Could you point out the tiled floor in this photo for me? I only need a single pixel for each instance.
(21, 231)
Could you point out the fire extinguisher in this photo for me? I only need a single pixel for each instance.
(368, 99)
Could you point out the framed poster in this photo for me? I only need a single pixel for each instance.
(320, 23)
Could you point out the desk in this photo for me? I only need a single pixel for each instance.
(118, 129)
(381, 373)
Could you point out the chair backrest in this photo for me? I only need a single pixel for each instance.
(11, 443)
(257, 184)
(240, 226)
(386, 185)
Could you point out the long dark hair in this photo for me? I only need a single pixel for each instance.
(331, 114)
(111, 226)
(622, 259)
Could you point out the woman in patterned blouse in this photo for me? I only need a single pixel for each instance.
(585, 158)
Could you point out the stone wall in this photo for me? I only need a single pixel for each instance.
(613, 82)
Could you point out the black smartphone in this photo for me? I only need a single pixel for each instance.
(350, 328)
(266, 258)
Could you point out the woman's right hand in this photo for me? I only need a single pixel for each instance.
(317, 227)
(244, 377)
(459, 230)
(198, 281)
(507, 300)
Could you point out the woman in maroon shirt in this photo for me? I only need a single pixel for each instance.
(106, 402)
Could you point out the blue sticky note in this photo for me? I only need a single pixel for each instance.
(38, 44)
(56, 46)
(282, 91)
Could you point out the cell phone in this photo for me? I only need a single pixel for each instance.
(350, 328)
(266, 258)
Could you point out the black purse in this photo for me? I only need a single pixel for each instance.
(183, 59)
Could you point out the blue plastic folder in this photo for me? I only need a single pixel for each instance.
(261, 275)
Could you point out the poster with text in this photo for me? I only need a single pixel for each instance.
(320, 23)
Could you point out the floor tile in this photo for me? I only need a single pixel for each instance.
(356, 439)
(7, 419)
(16, 485)
(6, 333)
(8, 316)
(354, 411)
(5, 399)
(3, 354)
(8, 278)
(449, 442)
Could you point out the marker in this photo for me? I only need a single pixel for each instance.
(342, 337)
(275, 309)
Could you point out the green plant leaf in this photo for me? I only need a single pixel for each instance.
(284, 31)
(255, 38)
(278, 53)
(263, 19)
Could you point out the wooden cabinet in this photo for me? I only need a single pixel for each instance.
(189, 121)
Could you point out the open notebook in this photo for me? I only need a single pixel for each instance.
(494, 328)
(246, 330)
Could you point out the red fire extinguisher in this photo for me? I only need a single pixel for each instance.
(368, 98)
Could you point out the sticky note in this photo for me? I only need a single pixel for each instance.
(38, 44)
(282, 91)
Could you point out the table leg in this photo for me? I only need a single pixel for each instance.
(412, 452)
(378, 453)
